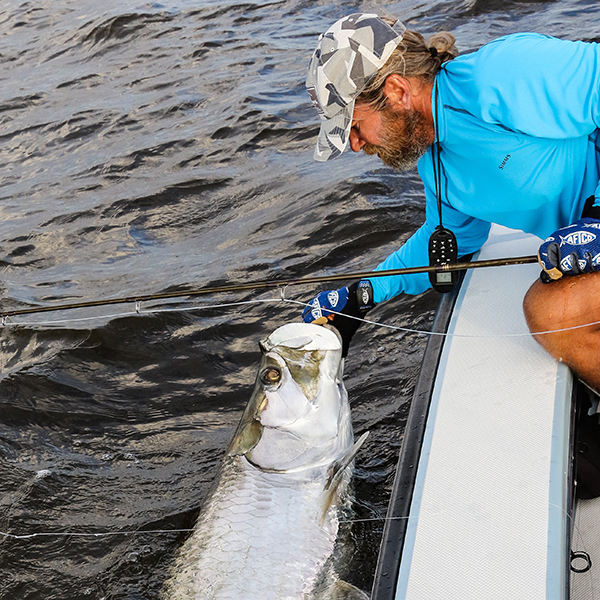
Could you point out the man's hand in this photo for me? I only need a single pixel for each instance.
(355, 301)
(318, 309)
(571, 250)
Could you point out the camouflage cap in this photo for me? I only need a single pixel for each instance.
(349, 53)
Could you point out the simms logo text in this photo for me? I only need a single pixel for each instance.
(506, 158)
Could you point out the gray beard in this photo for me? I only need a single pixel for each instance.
(404, 141)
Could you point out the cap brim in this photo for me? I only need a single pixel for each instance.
(334, 134)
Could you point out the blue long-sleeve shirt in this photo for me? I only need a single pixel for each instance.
(518, 127)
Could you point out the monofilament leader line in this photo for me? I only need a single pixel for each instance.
(155, 311)
(131, 532)
(271, 284)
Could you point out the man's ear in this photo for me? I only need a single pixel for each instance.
(398, 91)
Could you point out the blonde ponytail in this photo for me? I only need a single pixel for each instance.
(415, 56)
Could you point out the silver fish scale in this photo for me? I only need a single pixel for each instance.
(258, 538)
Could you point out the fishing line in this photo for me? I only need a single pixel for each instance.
(6, 322)
(28, 536)
(445, 334)
(281, 285)
(214, 306)
(139, 311)
(98, 534)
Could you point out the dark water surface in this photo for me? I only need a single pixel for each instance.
(148, 147)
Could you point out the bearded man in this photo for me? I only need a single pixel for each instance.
(508, 134)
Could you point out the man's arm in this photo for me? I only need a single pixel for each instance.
(471, 233)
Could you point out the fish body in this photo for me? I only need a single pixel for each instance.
(268, 530)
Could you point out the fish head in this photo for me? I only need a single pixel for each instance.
(298, 416)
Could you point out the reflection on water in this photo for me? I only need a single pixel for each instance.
(153, 146)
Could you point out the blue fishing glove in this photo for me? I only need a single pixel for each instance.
(571, 250)
(355, 300)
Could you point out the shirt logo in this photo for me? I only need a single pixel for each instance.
(503, 164)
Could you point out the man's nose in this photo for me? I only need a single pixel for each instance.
(356, 142)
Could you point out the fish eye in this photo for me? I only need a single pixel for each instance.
(270, 376)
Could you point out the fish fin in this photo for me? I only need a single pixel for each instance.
(336, 473)
(339, 465)
(341, 590)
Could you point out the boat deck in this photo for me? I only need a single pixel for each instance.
(486, 510)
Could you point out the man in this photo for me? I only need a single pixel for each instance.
(508, 134)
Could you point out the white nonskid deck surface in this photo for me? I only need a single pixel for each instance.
(487, 520)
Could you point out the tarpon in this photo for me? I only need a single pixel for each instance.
(268, 529)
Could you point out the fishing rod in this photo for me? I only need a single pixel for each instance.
(274, 284)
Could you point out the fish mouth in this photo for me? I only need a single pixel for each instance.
(304, 337)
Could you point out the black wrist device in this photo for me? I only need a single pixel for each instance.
(364, 295)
